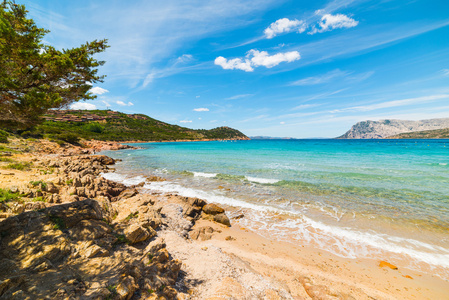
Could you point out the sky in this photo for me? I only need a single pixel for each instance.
(279, 68)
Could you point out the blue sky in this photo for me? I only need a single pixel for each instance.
(268, 67)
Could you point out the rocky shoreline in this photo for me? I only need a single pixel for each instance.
(73, 234)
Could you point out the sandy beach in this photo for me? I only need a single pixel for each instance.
(215, 261)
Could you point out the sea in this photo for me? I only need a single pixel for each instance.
(376, 199)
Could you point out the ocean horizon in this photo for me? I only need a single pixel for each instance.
(379, 199)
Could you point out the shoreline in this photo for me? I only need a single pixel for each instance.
(290, 271)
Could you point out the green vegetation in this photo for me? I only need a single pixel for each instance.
(57, 221)
(3, 136)
(132, 216)
(427, 134)
(7, 196)
(122, 127)
(34, 76)
(21, 166)
(39, 183)
(38, 199)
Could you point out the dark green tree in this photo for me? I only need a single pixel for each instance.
(35, 77)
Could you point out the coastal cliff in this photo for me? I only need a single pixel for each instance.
(388, 128)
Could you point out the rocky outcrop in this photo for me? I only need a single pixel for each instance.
(385, 128)
(68, 251)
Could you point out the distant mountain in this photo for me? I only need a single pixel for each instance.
(427, 134)
(110, 125)
(388, 128)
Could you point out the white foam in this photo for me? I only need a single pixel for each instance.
(169, 187)
(262, 180)
(207, 175)
(123, 178)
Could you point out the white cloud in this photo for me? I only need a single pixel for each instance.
(197, 97)
(320, 79)
(239, 96)
(105, 103)
(255, 58)
(282, 123)
(284, 25)
(201, 109)
(120, 103)
(184, 58)
(330, 22)
(130, 104)
(83, 105)
(185, 121)
(394, 103)
(98, 90)
(236, 63)
(445, 72)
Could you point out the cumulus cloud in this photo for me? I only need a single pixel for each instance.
(284, 25)
(330, 22)
(236, 63)
(201, 109)
(83, 105)
(185, 121)
(255, 58)
(98, 90)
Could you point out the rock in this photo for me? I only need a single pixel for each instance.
(223, 219)
(229, 238)
(212, 209)
(128, 193)
(197, 202)
(136, 233)
(126, 288)
(94, 251)
(51, 188)
(383, 264)
(203, 233)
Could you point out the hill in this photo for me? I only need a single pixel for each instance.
(388, 128)
(109, 125)
(427, 134)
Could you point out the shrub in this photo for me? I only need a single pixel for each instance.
(6, 196)
(19, 166)
(3, 136)
(94, 127)
(70, 138)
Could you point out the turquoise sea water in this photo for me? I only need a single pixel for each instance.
(355, 198)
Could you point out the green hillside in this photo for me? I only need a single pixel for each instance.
(115, 126)
(427, 134)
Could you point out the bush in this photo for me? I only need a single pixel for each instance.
(70, 138)
(94, 127)
(6, 196)
(3, 136)
(19, 166)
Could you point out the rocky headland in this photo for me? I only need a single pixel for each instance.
(392, 128)
(68, 233)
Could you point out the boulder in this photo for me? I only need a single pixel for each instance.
(136, 233)
(223, 219)
(203, 233)
(212, 209)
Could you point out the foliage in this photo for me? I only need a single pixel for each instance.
(35, 77)
(94, 127)
(3, 136)
(123, 127)
(41, 183)
(68, 137)
(6, 196)
(21, 166)
(57, 221)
